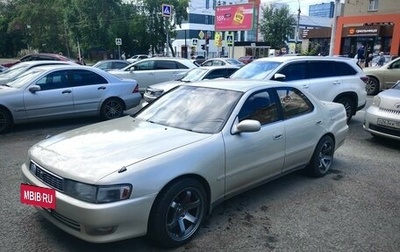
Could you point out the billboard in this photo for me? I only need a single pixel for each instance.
(237, 17)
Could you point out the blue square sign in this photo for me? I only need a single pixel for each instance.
(166, 10)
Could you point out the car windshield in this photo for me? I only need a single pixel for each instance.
(234, 62)
(198, 109)
(397, 85)
(25, 77)
(195, 74)
(257, 70)
(14, 71)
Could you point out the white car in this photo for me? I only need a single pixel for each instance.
(155, 70)
(162, 170)
(222, 62)
(65, 91)
(382, 118)
(137, 57)
(336, 79)
(195, 74)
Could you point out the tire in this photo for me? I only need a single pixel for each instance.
(348, 106)
(372, 86)
(111, 109)
(177, 213)
(5, 120)
(322, 158)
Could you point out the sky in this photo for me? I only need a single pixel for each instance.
(294, 4)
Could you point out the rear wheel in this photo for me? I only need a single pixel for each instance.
(372, 86)
(322, 158)
(5, 120)
(177, 213)
(112, 108)
(348, 106)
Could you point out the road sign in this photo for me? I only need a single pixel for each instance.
(166, 10)
(118, 41)
(218, 39)
(194, 41)
(229, 40)
(201, 34)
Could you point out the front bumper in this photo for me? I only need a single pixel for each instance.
(371, 123)
(127, 219)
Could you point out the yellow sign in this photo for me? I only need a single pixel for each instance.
(201, 34)
(218, 39)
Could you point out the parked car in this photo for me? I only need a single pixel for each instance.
(199, 59)
(336, 79)
(382, 118)
(222, 62)
(3, 68)
(375, 58)
(154, 70)
(17, 70)
(382, 77)
(195, 74)
(161, 171)
(137, 57)
(108, 65)
(39, 56)
(246, 59)
(65, 91)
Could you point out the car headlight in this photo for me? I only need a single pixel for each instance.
(376, 101)
(96, 193)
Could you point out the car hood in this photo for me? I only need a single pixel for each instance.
(390, 100)
(90, 153)
(165, 86)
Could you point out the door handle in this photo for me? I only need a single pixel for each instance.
(68, 91)
(305, 86)
(319, 122)
(101, 88)
(278, 137)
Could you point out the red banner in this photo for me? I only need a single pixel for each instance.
(234, 17)
(38, 196)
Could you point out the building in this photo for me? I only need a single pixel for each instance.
(373, 23)
(322, 10)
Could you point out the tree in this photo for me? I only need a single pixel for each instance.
(276, 25)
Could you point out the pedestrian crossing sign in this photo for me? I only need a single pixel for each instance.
(229, 40)
(166, 10)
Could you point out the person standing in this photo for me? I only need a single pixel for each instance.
(381, 59)
(361, 55)
(368, 60)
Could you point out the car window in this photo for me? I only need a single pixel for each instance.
(294, 71)
(230, 71)
(207, 63)
(396, 64)
(85, 78)
(119, 65)
(294, 102)
(321, 69)
(45, 57)
(166, 64)
(342, 68)
(53, 80)
(216, 73)
(146, 65)
(260, 106)
(257, 70)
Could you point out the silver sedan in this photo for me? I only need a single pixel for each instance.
(160, 171)
(382, 118)
(65, 91)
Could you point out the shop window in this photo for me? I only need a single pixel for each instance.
(373, 5)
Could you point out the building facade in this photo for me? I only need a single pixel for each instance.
(322, 10)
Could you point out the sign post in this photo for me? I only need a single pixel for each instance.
(166, 13)
(118, 42)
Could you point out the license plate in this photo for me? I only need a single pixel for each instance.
(388, 123)
(38, 196)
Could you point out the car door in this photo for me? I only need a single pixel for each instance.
(144, 73)
(302, 127)
(255, 156)
(391, 75)
(89, 91)
(167, 70)
(54, 99)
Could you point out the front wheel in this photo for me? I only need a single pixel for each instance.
(322, 158)
(112, 108)
(177, 213)
(372, 86)
(5, 120)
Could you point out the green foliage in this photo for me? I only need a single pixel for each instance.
(276, 25)
(60, 25)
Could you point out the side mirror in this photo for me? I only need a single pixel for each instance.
(247, 125)
(34, 88)
(279, 77)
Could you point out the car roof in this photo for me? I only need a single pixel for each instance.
(301, 58)
(219, 67)
(39, 62)
(241, 85)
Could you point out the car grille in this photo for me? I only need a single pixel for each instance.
(391, 111)
(393, 132)
(70, 223)
(47, 177)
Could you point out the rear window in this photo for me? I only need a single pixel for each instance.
(321, 69)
